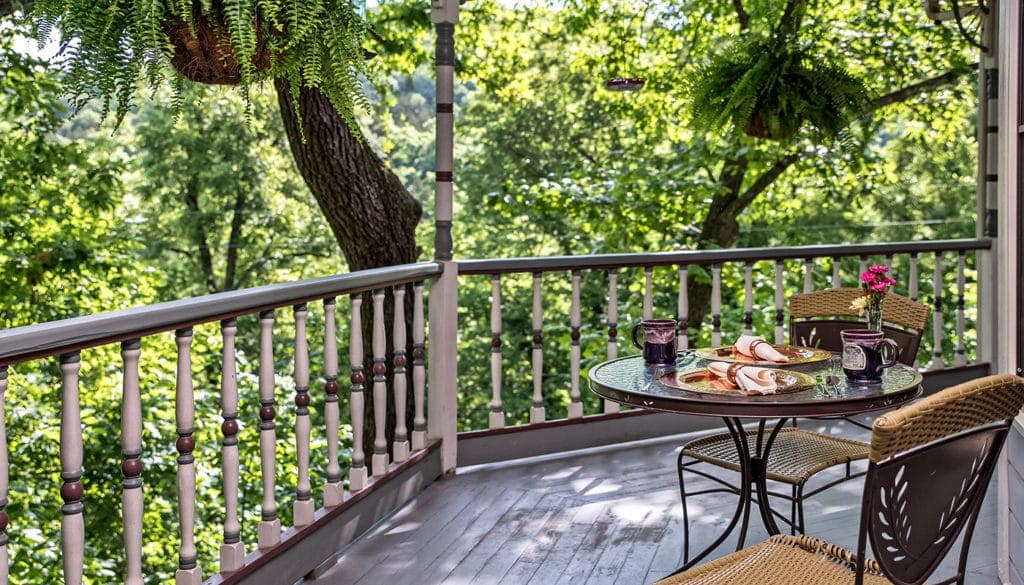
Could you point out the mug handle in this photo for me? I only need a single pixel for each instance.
(895, 352)
(636, 342)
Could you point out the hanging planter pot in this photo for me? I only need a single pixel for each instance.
(203, 52)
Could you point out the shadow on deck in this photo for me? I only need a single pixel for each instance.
(608, 515)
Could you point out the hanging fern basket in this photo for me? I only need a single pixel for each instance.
(203, 53)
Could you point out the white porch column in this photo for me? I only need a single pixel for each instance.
(442, 390)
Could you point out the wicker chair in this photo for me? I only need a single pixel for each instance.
(942, 448)
(797, 455)
(816, 318)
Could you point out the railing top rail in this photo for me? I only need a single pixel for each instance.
(706, 257)
(56, 337)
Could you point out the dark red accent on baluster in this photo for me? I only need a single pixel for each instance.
(71, 492)
(418, 353)
(379, 369)
(575, 335)
(331, 387)
(400, 361)
(229, 428)
(267, 413)
(302, 400)
(131, 467)
(613, 331)
(537, 338)
(358, 378)
(4, 520)
(188, 444)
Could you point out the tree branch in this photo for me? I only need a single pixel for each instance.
(767, 178)
(792, 15)
(741, 14)
(904, 93)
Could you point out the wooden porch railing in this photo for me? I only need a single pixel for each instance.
(781, 270)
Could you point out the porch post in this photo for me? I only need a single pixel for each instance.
(442, 390)
(988, 188)
(1008, 281)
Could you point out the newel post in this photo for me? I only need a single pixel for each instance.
(442, 389)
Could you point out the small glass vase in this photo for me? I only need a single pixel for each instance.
(874, 316)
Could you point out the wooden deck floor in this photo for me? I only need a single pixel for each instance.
(605, 516)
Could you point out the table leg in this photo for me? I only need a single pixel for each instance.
(753, 474)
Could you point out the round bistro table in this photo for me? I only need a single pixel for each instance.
(631, 382)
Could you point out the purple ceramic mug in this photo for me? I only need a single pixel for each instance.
(659, 340)
(865, 354)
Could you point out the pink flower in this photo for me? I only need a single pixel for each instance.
(878, 287)
(868, 277)
(878, 269)
(889, 281)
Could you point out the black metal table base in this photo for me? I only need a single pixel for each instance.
(753, 482)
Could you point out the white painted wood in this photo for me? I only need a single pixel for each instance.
(648, 292)
(400, 446)
(303, 506)
(716, 305)
(131, 466)
(379, 463)
(780, 296)
(72, 526)
(575, 403)
(496, 419)
(748, 298)
(537, 414)
(913, 280)
(683, 307)
(442, 369)
(863, 267)
(333, 489)
(960, 357)
(837, 280)
(613, 327)
(808, 275)
(232, 550)
(419, 421)
(357, 474)
(5, 560)
(937, 363)
(189, 572)
(269, 530)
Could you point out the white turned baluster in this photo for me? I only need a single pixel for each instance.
(613, 327)
(357, 474)
(188, 572)
(683, 308)
(937, 363)
(419, 422)
(912, 282)
(836, 278)
(131, 464)
(913, 286)
(863, 268)
(649, 292)
(496, 420)
(269, 531)
(379, 463)
(303, 506)
(888, 264)
(960, 359)
(400, 446)
(748, 298)
(780, 295)
(4, 483)
(716, 305)
(808, 275)
(333, 491)
(72, 527)
(575, 318)
(537, 414)
(232, 550)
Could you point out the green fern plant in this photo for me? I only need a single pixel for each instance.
(112, 46)
(770, 86)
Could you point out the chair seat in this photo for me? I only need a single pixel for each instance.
(796, 454)
(782, 560)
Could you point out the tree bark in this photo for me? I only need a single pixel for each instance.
(372, 215)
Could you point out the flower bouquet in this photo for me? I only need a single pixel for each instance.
(876, 283)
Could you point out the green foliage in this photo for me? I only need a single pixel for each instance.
(113, 44)
(770, 86)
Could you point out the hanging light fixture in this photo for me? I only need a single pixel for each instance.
(625, 83)
(968, 16)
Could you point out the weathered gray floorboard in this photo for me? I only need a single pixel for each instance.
(599, 517)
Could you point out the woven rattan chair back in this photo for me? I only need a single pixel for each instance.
(816, 319)
(930, 465)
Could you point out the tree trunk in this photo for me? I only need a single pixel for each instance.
(371, 214)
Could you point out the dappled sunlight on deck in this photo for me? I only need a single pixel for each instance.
(607, 515)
